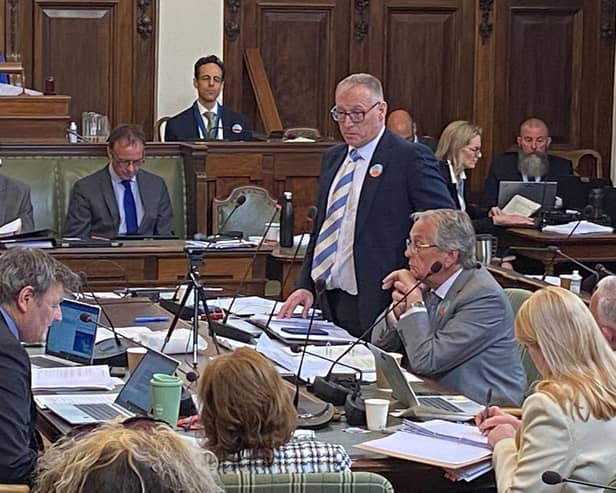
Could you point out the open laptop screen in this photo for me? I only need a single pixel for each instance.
(136, 395)
(71, 338)
(542, 192)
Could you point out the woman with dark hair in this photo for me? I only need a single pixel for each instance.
(569, 424)
(249, 420)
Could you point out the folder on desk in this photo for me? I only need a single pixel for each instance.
(293, 330)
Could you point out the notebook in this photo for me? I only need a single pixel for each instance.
(456, 407)
(135, 398)
(70, 341)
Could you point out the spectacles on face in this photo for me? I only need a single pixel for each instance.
(355, 116)
(127, 162)
(413, 247)
(475, 150)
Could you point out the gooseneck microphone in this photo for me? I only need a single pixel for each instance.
(220, 233)
(191, 376)
(552, 477)
(336, 393)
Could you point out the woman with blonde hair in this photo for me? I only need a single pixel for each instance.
(568, 425)
(249, 420)
(139, 455)
(458, 150)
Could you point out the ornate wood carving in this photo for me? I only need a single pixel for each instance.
(608, 18)
(12, 27)
(232, 25)
(485, 26)
(361, 26)
(144, 21)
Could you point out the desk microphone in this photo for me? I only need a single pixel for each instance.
(251, 263)
(211, 239)
(336, 393)
(191, 376)
(552, 477)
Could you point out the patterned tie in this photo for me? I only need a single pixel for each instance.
(210, 116)
(433, 302)
(327, 241)
(130, 209)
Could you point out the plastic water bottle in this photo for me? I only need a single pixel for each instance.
(286, 220)
(71, 135)
(576, 282)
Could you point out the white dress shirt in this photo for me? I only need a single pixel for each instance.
(217, 121)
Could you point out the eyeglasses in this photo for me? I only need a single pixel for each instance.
(355, 116)
(411, 246)
(127, 162)
(475, 150)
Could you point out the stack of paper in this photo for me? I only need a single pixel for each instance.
(221, 244)
(72, 377)
(12, 228)
(578, 228)
(295, 330)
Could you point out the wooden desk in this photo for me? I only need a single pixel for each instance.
(585, 248)
(40, 119)
(164, 263)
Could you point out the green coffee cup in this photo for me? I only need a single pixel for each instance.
(166, 395)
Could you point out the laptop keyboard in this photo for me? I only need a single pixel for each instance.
(439, 403)
(43, 362)
(101, 412)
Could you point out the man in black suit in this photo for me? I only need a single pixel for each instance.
(206, 118)
(121, 198)
(368, 188)
(402, 124)
(530, 163)
(32, 285)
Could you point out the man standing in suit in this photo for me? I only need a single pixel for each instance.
(15, 203)
(402, 124)
(121, 198)
(530, 163)
(459, 331)
(32, 285)
(368, 187)
(207, 118)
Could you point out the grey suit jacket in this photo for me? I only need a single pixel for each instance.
(93, 209)
(15, 202)
(468, 346)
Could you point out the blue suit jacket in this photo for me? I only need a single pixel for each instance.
(183, 126)
(409, 182)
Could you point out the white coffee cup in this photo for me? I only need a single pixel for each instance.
(376, 413)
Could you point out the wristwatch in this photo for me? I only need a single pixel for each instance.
(416, 304)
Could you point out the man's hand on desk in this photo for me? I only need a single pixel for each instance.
(501, 219)
(298, 297)
(401, 282)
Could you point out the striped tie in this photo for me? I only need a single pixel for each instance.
(327, 241)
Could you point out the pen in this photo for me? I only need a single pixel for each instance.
(486, 411)
(146, 320)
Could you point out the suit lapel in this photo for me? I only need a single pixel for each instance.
(110, 200)
(148, 201)
(444, 308)
(371, 184)
(3, 194)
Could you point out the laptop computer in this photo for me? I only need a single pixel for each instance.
(70, 341)
(542, 192)
(135, 398)
(451, 407)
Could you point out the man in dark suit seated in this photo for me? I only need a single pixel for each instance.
(207, 118)
(367, 189)
(15, 203)
(402, 124)
(458, 330)
(32, 285)
(121, 198)
(530, 163)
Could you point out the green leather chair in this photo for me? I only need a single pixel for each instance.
(516, 298)
(611, 483)
(343, 482)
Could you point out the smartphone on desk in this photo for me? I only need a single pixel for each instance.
(302, 331)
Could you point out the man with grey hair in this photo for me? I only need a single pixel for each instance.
(603, 308)
(531, 162)
(32, 285)
(367, 189)
(458, 329)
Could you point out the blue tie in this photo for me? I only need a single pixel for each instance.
(130, 209)
(327, 241)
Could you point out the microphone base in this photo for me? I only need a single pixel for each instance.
(332, 391)
(355, 410)
(108, 352)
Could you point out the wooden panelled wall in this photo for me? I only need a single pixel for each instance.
(100, 52)
(492, 62)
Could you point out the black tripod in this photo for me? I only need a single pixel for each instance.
(195, 261)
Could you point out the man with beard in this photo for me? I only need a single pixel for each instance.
(530, 163)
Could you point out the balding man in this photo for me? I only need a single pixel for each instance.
(401, 123)
(531, 162)
(603, 308)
